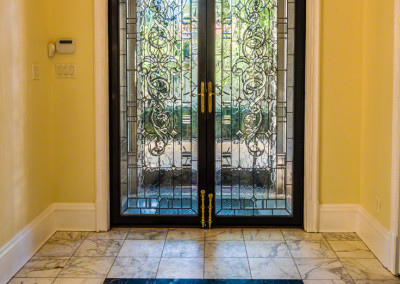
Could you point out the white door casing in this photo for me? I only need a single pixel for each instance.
(311, 151)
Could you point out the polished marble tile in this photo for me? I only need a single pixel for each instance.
(141, 248)
(267, 249)
(370, 269)
(394, 281)
(78, 281)
(186, 234)
(99, 247)
(311, 249)
(226, 268)
(299, 234)
(59, 248)
(31, 281)
(263, 234)
(347, 281)
(48, 267)
(351, 249)
(113, 234)
(87, 267)
(134, 267)
(147, 234)
(224, 235)
(273, 268)
(181, 268)
(183, 249)
(225, 249)
(341, 237)
(329, 269)
(64, 235)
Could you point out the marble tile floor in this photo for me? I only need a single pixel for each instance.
(180, 253)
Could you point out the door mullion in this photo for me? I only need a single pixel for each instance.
(202, 78)
(211, 115)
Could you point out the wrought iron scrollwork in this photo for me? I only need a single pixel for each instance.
(158, 69)
(254, 67)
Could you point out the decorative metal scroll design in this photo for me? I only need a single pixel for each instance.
(158, 68)
(254, 67)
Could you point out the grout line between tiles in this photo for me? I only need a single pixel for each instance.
(204, 254)
(295, 264)
(71, 255)
(248, 261)
(344, 267)
(108, 272)
(162, 252)
(35, 254)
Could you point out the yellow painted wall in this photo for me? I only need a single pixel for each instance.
(47, 126)
(376, 130)
(341, 80)
(355, 118)
(74, 104)
(341, 88)
(26, 118)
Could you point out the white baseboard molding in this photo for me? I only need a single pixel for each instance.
(375, 236)
(75, 216)
(15, 253)
(354, 218)
(338, 217)
(57, 217)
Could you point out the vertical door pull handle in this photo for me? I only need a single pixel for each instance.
(202, 101)
(202, 91)
(210, 93)
(210, 197)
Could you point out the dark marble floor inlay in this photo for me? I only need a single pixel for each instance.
(198, 281)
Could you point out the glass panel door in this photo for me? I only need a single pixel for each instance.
(207, 100)
(258, 111)
(254, 107)
(158, 107)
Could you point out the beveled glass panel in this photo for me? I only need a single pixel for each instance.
(254, 107)
(158, 111)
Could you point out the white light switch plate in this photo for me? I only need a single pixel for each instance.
(65, 71)
(35, 71)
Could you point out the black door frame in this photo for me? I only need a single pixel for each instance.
(298, 148)
(114, 109)
(206, 122)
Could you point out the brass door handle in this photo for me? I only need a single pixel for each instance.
(202, 92)
(203, 208)
(210, 93)
(210, 196)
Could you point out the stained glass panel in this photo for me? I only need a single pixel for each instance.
(254, 107)
(158, 112)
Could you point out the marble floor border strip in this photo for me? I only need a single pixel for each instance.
(199, 281)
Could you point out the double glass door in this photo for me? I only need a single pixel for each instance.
(206, 112)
